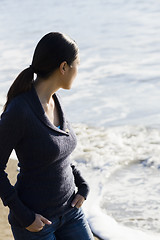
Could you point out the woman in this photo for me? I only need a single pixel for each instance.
(43, 203)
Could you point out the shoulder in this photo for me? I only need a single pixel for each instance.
(16, 108)
(17, 104)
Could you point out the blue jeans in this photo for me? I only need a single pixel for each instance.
(70, 226)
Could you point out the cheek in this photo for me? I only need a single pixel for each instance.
(75, 73)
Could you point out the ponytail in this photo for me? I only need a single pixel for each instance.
(50, 52)
(22, 83)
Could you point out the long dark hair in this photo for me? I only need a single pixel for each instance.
(50, 52)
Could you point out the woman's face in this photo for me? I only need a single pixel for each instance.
(71, 73)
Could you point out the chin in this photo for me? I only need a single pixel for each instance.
(67, 87)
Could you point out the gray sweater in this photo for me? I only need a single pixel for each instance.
(47, 180)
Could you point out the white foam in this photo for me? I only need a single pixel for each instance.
(100, 153)
(105, 226)
(108, 229)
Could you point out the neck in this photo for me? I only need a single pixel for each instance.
(45, 89)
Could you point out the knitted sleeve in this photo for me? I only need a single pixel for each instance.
(81, 184)
(11, 131)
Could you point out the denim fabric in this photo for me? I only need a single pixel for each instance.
(71, 226)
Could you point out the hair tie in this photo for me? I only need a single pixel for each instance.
(31, 68)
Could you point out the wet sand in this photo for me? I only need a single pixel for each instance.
(5, 232)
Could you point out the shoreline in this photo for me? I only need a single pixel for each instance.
(5, 231)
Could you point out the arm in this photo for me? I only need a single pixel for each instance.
(11, 132)
(81, 184)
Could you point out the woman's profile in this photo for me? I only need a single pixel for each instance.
(44, 203)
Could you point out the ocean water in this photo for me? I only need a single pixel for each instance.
(113, 105)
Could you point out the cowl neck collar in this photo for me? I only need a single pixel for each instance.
(34, 102)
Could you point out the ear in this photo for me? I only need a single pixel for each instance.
(63, 67)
